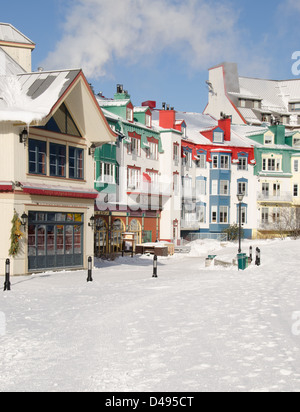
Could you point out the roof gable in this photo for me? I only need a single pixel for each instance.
(9, 34)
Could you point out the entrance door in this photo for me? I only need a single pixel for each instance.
(118, 228)
(55, 240)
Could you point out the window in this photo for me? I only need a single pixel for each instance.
(188, 159)
(224, 162)
(218, 137)
(148, 120)
(265, 215)
(266, 189)
(224, 187)
(276, 190)
(296, 190)
(176, 153)
(269, 139)
(223, 214)
(256, 104)
(296, 165)
(134, 178)
(214, 187)
(202, 161)
(154, 180)
(243, 163)
(243, 213)
(296, 141)
(285, 120)
(272, 165)
(276, 215)
(76, 163)
(37, 157)
(242, 187)
(57, 160)
(129, 114)
(153, 151)
(201, 213)
(214, 214)
(215, 163)
(108, 173)
(62, 122)
(200, 187)
(295, 107)
(243, 103)
(135, 147)
(176, 183)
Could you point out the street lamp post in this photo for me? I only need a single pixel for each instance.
(240, 197)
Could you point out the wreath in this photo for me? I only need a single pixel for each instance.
(16, 235)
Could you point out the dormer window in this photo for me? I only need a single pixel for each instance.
(129, 113)
(296, 141)
(148, 120)
(269, 139)
(218, 136)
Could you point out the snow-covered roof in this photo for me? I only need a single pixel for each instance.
(10, 34)
(141, 109)
(112, 103)
(275, 94)
(30, 97)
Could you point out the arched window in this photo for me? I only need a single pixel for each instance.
(136, 228)
(118, 228)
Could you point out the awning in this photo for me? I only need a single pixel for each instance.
(60, 191)
(6, 187)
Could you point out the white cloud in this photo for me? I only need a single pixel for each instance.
(99, 32)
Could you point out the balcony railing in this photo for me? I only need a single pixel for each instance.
(190, 224)
(285, 197)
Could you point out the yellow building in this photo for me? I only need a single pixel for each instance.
(50, 124)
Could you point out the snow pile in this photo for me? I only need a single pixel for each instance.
(203, 248)
(190, 330)
(16, 105)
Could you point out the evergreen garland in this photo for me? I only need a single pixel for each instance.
(16, 235)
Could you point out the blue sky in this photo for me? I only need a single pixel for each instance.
(160, 50)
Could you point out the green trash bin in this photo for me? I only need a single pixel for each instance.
(242, 261)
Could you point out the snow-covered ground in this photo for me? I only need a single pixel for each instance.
(191, 329)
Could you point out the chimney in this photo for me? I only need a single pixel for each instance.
(225, 125)
(167, 119)
(149, 103)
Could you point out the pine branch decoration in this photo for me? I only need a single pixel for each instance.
(16, 235)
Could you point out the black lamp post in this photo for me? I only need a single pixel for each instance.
(155, 267)
(7, 275)
(240, 197)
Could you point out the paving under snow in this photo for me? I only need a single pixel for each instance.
(192, 329)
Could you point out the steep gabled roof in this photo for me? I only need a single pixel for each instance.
(29, 97)
(9, 34)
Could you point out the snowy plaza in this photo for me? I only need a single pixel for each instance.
(192, 329)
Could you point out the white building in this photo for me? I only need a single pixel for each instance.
(252, 101)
